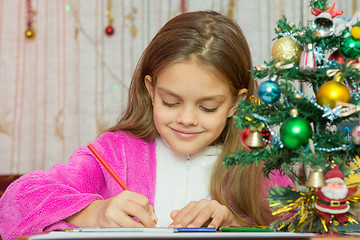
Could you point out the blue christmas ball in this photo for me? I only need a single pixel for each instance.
(269, 92)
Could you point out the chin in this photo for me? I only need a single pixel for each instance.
(185, 151)
(185, 148)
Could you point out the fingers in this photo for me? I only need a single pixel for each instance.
(221, 217)
(183, 217)
(203, 213)
(212, 214)
(173, 214)
(137, 211)
(127, 209)
(136, 198)
(134, 209)
(123, 220)
(195, 214)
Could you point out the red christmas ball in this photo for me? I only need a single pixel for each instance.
(337, 56)
(109, 30)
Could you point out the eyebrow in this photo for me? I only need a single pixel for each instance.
(209, 98)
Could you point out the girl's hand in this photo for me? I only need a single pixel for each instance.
(203, 213)
(117, 211)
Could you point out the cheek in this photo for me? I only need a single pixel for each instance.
(161, 115)
(215, 123)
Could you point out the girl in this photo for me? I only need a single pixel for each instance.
(167, 147)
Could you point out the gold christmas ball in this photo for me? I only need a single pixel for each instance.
(355, 32)
(286, 49)
(331, 92)
(29, 33)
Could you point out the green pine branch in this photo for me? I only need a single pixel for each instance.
(318, 4)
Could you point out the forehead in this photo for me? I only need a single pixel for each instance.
(192, 75)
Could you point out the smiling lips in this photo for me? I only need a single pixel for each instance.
(184, 134)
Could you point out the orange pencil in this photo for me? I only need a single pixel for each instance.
(109, 169)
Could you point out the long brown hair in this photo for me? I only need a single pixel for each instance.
(218, 43)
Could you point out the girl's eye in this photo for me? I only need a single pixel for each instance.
(209, 109)
(203, 108)
(169, 104)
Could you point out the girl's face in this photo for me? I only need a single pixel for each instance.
(190, 106)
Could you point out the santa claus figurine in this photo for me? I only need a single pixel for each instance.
(332, 198)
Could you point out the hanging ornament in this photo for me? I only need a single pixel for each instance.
(29, 33)
(296, 131)
(336, 55)
(355, 32)
(316, 179)
(254, 137)
(323, 24)
(355, 134)
(307, 64)
(269, 91)
(350, 48)
(338, 77)
(331, 92)
(332, 198)
(109, 30)
(286, 49)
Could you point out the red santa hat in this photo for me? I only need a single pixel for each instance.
(334, 175)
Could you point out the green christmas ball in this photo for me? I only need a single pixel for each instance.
(295, 132)
(350, 48)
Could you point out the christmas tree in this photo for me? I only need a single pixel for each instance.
(313, 137)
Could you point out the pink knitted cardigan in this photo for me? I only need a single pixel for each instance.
(40, 200)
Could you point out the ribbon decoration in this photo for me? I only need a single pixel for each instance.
(332, 72)
(349, 108)
(332, 11)
(355, 18)
(261, 67)
(278, 65)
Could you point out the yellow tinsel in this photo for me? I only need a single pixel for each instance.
(354, 179)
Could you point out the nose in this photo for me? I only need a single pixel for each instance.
(339, 186)
(187, 116)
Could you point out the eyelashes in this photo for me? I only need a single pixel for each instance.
(209, 109)
(167, 104)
